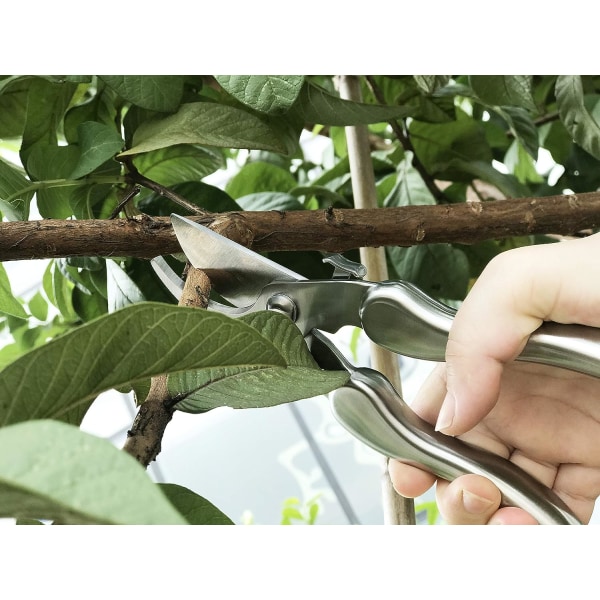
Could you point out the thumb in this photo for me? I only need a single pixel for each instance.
(516, 292)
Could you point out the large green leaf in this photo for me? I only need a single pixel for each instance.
(98, 143)
(580, 123)
(155, 92)
(316, 105)
(60, 379)
(51, 162)
(239, 387)
(258, 177)
(15, 193)
(438, 269)
(437, 144)
(269, 201)
(271, 94)
(196, 509)
(50, 470)
(9, 305)
(511, 90)
(208, 124)
(410, 189)
(522, 127)
(178, 164)
(46, 105)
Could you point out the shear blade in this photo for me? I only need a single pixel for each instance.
(236, 273)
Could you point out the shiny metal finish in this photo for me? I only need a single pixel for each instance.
(237, 273)
(371, 409)
(401, 318)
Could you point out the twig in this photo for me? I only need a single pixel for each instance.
(145, 436)
(404, 139)
(397, 510)
(133, 176)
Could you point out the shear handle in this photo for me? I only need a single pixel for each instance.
(400, 317)
(369, 407)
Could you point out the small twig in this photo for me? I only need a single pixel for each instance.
(133, 176)
(145, 436)
(133, 191)
(404, 139)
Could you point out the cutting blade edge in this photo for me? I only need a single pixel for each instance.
(237, 273)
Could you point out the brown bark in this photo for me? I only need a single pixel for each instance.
(148, 428)
(334, 230)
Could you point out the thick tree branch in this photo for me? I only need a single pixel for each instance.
(334, 230)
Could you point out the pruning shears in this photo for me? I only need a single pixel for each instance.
(398, 316)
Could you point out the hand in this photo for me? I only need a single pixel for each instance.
(547, 420)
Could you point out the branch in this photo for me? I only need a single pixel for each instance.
(146, 434)
(332, 230)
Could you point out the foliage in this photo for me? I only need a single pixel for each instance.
(76, 144)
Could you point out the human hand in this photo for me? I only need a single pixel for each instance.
(547, 420)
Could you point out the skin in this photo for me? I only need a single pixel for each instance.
(545, 419)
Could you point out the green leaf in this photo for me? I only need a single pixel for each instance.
(178, 164)
(60, 379)
(437, 144)
(196, 509)
(121, 289)
(155, 92)
(38, 307)
(271, 94)
(410, 189)
(515, 90)
(98, 143)
(258, 177)
(438, 269)
(269, 201)
(50, 470)
(507, 184)
(579, 122)
(522, 127)
(430, 83)
(46, 105)
(15, 193)
(243, 387)
(209, 124)
(50, 162)
(13, 106)
(9, 305)
(315, 105)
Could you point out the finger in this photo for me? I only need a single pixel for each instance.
(517, 291)
(468, 500)
(409, 481)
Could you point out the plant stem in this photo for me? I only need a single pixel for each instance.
(397, 510)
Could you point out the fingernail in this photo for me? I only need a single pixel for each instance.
(474, 504)
(446, 416)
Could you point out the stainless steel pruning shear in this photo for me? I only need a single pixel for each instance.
(398, 316)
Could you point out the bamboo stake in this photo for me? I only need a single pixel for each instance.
(397, 510)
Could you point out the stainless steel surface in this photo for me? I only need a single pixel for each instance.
(170, 279)
(401, 318)
(237, 273)
(371, 409)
